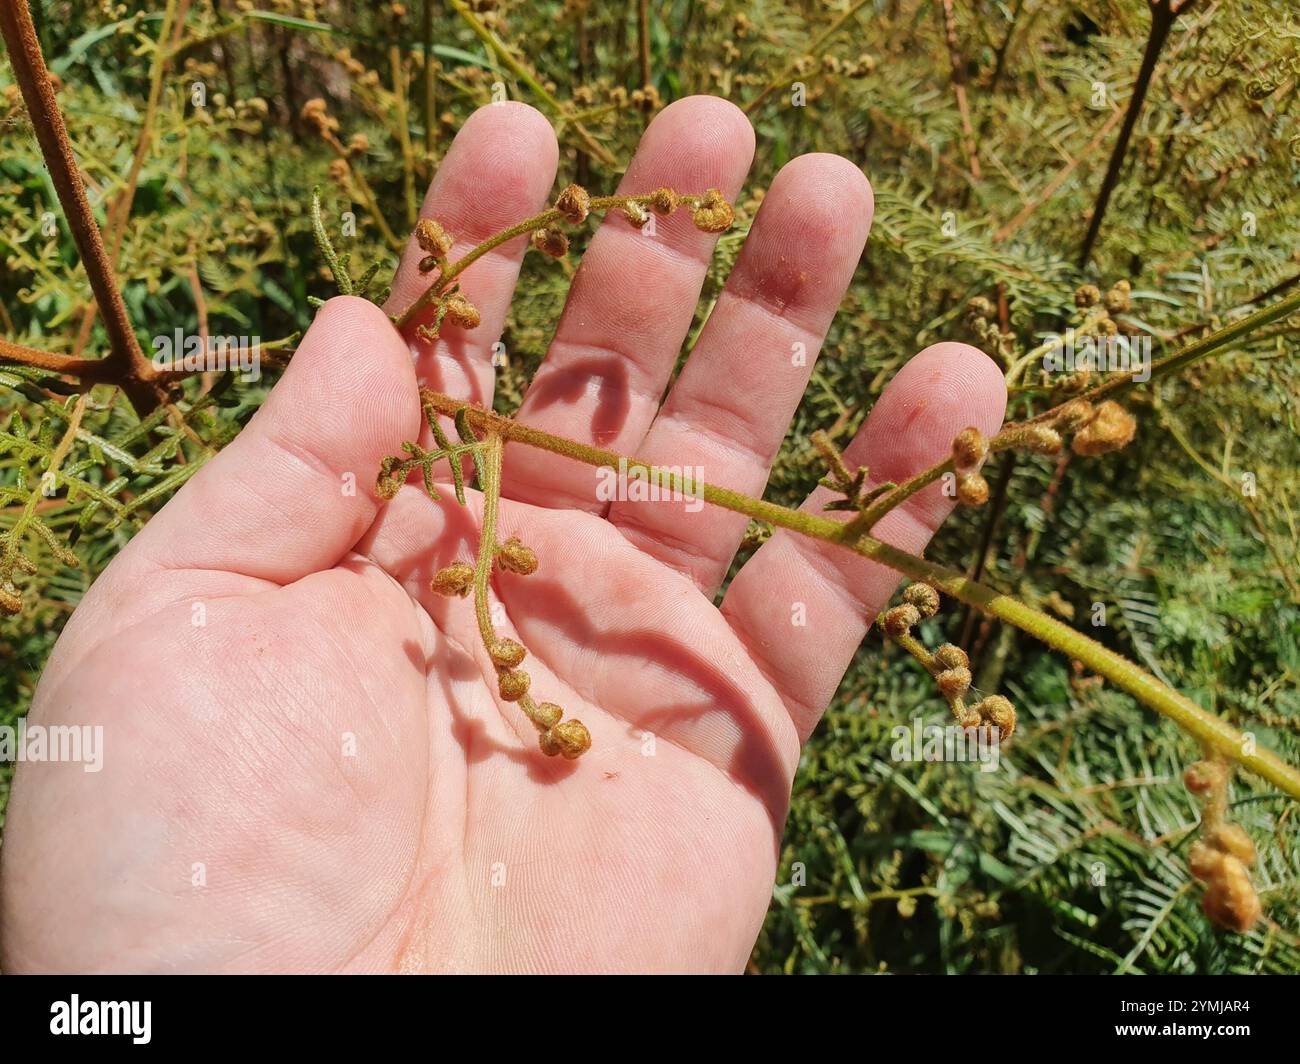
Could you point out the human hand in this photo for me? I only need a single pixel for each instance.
(321, 777)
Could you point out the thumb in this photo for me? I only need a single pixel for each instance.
(294, 491)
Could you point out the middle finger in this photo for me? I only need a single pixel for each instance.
(630, 306)
(728, 412)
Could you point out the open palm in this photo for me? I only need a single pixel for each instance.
(306, 763)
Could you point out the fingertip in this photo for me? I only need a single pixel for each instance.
(818, 211)
(349, 313)
(704, 135)
(355, 332)
(515, 110)
(832, 186)
(976, 381)
(711, 111)
(517, 129)
(500, 166)
(940, 391)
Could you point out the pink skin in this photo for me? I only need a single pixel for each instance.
(447, 841)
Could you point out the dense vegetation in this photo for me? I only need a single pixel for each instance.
(988, 129)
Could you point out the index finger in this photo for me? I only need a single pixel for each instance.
(498, 171)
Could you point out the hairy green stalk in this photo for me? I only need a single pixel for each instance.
(550, 216)
(487, 544)
(1213, 732)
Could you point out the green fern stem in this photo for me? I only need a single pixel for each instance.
(1212, 731)
(550, 216)
(487, 545)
